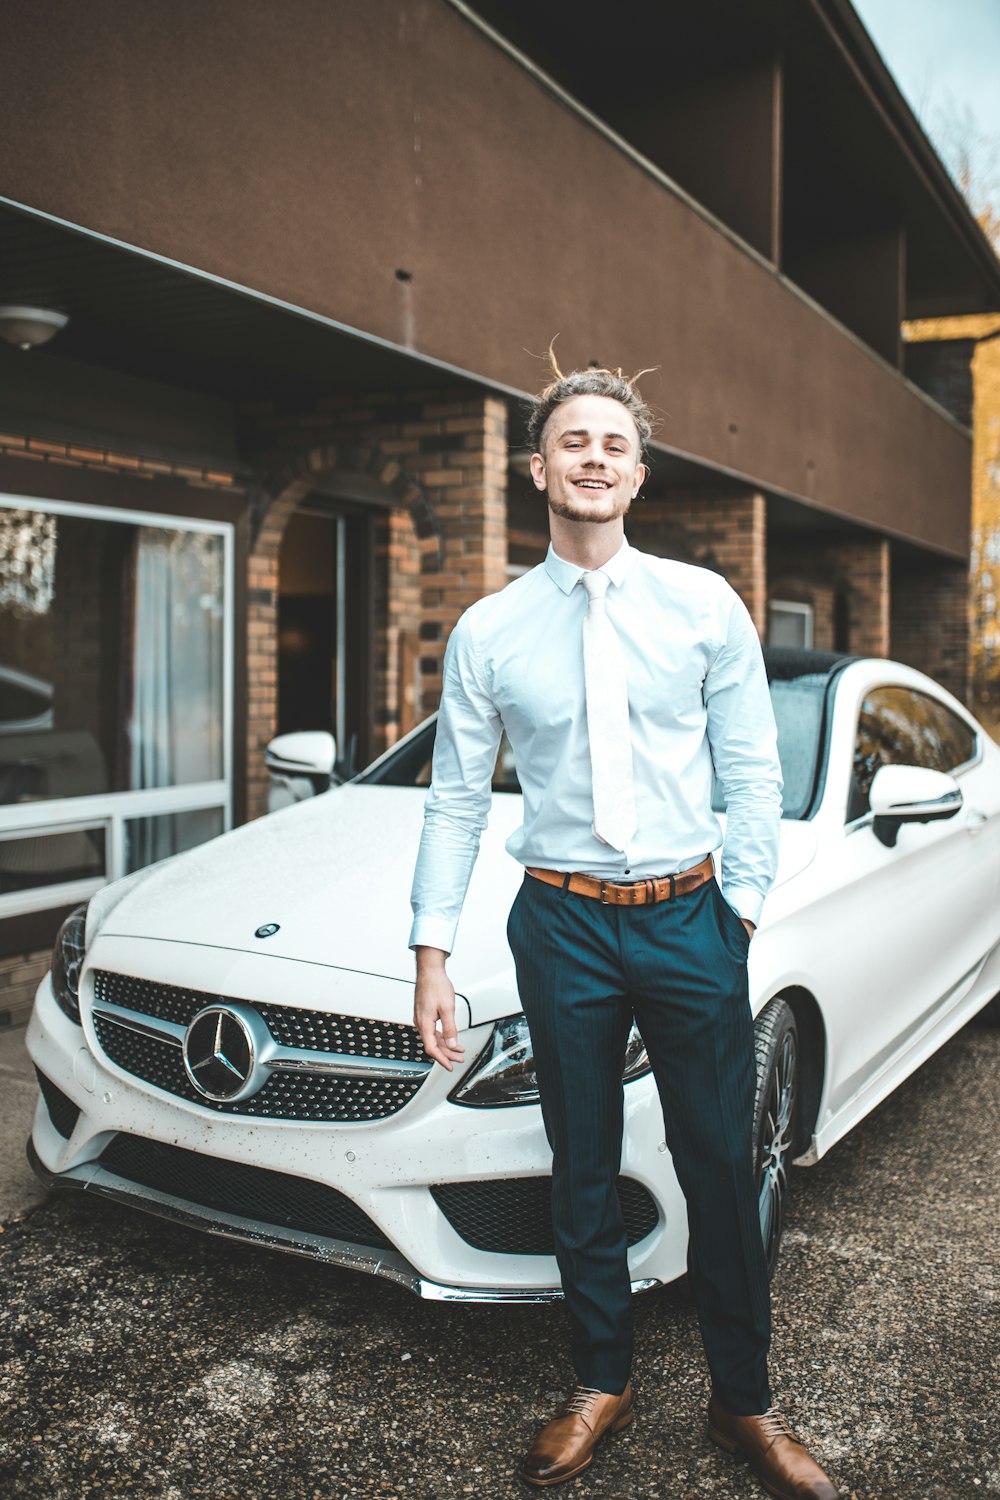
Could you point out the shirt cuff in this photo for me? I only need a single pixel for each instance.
(745, 901)
(433, 932)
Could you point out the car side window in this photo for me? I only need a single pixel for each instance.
(410, 765)
(504, 774)
(902, 727)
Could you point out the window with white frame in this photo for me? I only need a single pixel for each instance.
(115, 694)
(789, 623)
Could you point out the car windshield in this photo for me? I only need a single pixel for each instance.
(797, 696)
(798, 713)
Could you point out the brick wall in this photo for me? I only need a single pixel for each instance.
(847, 584)
(797, 588)
(20, 975)
(110, 461)
(929, 624)
(796, 574)
(722, 530)
(441, 460)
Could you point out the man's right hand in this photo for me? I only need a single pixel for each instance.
(434, 1009)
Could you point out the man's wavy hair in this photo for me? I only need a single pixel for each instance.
(593, 381)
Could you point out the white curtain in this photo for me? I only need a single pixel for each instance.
(176, 728)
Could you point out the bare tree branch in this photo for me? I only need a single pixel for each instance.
(973, 158)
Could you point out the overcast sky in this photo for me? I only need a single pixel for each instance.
(945, 56)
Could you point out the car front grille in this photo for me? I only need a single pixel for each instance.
(352, 1034)
(267, 1198)
(62, 1111)
(285, 1096)
(287, 1024)
(299, 1090)
(513, 1216)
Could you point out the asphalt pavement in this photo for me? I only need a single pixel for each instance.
(141, 1359)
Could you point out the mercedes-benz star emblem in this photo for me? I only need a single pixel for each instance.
(219, 1053)
(268, 929)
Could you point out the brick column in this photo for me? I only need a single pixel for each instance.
(722, 530)
(929, 626)
(262, 661)
(468, 495)
(398, 627)
(861, 571)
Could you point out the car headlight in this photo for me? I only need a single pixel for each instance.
(67, 961)
(504, 1072)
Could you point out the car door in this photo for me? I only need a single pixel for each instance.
(914, 919)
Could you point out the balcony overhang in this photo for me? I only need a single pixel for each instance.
(850, 159)
(140, 317)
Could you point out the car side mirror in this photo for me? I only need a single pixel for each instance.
(299, 765)
(910, 794)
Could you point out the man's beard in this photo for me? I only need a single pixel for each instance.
(566, 508)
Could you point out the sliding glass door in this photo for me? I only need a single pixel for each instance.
(115, 694)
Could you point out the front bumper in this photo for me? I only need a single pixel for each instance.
(385, 1169)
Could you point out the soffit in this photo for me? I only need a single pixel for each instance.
(136, 315)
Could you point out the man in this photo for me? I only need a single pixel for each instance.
(625, 683)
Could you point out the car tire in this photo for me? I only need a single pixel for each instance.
(775, 1118)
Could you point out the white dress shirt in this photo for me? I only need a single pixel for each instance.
(698, 699)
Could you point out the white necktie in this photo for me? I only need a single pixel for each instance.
(606, 687)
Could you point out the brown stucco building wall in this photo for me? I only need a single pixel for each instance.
(428, 210)
(313, 162)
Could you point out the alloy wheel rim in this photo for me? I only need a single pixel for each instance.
(776, 1146)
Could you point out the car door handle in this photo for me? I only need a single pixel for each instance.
(974, 820)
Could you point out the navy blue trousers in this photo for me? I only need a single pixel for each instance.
(679, 967)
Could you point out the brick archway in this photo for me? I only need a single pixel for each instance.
(407, 532)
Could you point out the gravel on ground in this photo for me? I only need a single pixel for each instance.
(142, 1359)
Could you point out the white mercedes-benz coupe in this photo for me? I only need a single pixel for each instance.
(225, 1038)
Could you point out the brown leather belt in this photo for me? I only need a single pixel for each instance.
(636, 892)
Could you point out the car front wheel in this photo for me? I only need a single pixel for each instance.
(776, 1049)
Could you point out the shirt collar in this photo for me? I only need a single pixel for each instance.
(567, 575)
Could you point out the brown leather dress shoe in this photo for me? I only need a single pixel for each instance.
(565, 1446)
(772, 1450)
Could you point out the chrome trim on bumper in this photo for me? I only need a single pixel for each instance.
(435, 1293)
(91, 1177)
(274, 1056)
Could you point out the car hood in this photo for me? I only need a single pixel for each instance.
(333, 875)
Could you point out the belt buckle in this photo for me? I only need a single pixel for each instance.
(604, 897)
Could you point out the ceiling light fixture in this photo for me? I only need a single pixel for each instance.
(29, 327)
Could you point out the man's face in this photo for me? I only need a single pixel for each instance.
(590, 467)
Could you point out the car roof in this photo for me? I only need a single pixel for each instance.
(785, 663)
